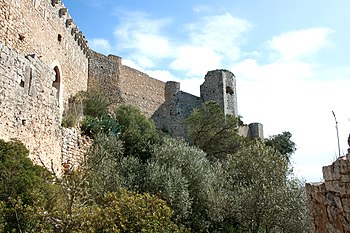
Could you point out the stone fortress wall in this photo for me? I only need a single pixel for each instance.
(123, 84)
(165, 103)
(45, 60)
(45, 29)
(29, 109)
(329, 201)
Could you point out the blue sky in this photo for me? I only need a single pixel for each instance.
(291, 59)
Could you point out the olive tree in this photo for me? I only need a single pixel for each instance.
(264, 197)
(214, 132)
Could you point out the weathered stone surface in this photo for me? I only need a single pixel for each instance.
(329, 202)
(34, 27)
(29, 108)
(164, 102)
(45, 59)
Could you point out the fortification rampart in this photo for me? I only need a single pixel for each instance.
(171, 115)
(44, 28)
(123, 84)
(329, 202)
(220, 85)
(29, 109)
(45, 59)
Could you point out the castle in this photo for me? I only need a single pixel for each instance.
(45, 59)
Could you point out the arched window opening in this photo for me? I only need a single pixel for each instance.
(57, 81)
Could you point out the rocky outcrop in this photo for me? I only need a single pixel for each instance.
(329, 202)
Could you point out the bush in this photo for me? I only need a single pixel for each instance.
(184, 177)
(93, 126)
(138, 133)
(95, 104)
(214, 132)
(263, 194)
(69, 120)
(25, 190)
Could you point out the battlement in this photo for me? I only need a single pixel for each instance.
(171, 89)
(45, 59)
(45, 29)
(55, 10)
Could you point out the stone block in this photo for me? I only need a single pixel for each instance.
(333, 186)
(345, 178)
(344, 166)
(346, 206)
(345, 189)
(338, 202)
(327, 173)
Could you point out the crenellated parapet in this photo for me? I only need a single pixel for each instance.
(71, 27)
(45, 29)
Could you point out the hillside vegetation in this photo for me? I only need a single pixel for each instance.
(135, 178)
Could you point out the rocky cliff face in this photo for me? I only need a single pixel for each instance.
(329, 202)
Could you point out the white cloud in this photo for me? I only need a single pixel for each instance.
(205, 43)
(211, 39)
(295, 44)
(131, 63)
(195, 60)
(100, 45)
(201, 8)
(142, 38)
(221, 33)
(163, 75)
(298, 97)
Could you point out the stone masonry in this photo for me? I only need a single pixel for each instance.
(219, 85)
(329, 202)
(29, 109)
(45, 60)
(45, 29)
(123, 84)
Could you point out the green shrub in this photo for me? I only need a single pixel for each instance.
(69, 120)
(25, 190)
(138, 133)
(93, 126)
(95, 104)
(183, 176)
(120, 211)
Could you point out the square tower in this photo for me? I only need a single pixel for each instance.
(220, 86)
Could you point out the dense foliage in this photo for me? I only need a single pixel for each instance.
(212, 131)
(136, 179)
(25, 190)
(283, 143)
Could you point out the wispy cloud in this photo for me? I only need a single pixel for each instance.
(142, 38)
(290, 93)
(194, 60)
(296, 44)
(101, 45)
(202, 45)
(222, 33)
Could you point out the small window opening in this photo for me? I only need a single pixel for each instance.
(24, 122)
(30, 81)
(59, 37)
(21, 37)
(229, 90)
(21, 83)
(56, 82)
(54, 2)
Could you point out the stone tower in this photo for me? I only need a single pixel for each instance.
(220, 86)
